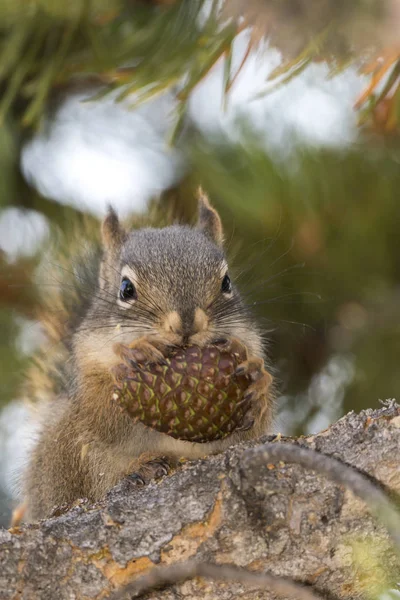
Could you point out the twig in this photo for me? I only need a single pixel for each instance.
(246, 55)
(334, 469)
(171, 574)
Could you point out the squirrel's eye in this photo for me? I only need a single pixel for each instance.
(226, 286)
(127, 291)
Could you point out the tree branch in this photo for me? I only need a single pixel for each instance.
(254, 506)
(336, 470)
(162, 576)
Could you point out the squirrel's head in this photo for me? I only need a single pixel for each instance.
(171, 284)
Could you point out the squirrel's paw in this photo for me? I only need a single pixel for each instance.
(257, 392)
(153, 469)
(252, 366)
(141, 351)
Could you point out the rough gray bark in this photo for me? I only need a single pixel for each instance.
(280, 519)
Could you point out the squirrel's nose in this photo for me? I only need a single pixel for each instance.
(186, 325)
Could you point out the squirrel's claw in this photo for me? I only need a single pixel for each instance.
(150, 470)
(120, 373)
(136, 479)
(247, 423)
(160, 467)
(233, 346)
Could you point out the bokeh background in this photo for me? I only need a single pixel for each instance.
(287, 114)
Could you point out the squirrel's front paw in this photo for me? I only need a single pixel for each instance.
(258, 391)
(141, 351)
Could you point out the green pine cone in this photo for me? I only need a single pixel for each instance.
(195, 396)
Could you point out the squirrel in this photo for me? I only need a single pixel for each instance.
(154, 288)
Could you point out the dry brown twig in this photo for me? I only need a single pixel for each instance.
(178, 573)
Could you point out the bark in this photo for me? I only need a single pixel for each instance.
(280, 519)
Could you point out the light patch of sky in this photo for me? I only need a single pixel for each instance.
(310, 109)
(30, 336)
(100, 152)
(17, 436)
(21, 231)
(323, 399)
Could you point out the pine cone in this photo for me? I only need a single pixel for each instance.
(195, 396)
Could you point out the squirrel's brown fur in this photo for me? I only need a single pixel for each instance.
(86, 444)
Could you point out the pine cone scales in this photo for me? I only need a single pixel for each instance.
(194, 396)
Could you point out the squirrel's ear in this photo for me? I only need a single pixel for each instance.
(209, 220)
(113, 234)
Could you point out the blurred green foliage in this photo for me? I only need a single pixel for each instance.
(140, 47)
